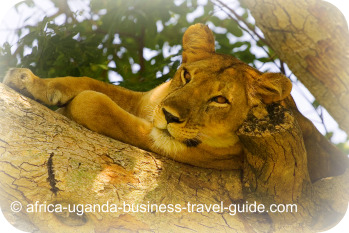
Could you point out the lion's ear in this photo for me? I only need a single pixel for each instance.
(198, 43)
(271, 87)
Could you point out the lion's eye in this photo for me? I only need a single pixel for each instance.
(220, 99)
(186, 77)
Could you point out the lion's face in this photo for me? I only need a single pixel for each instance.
(210, 96)
(206, 103)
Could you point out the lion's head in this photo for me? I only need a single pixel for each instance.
(210, 95)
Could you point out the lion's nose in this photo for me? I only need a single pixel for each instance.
(170, 118)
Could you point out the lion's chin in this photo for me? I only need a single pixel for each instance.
(192, 142)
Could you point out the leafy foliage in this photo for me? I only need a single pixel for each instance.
(130, 38)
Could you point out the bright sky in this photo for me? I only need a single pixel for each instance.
(343, 226)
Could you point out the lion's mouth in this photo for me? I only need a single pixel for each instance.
(192, 142)
(166, 132)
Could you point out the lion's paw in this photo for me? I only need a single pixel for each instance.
(20, 79)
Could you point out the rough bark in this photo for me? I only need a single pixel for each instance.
(46, 158)
(312, 37)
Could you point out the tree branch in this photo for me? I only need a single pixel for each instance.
(312, 38)
(47, 159)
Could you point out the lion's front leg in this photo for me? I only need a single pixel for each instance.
(24, 81)
(50, 91)
(98, 112)
(59, 91)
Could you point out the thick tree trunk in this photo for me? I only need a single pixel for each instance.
(312, 38)
(48, 162)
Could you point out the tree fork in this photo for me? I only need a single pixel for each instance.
(275, 166)
(276, 172)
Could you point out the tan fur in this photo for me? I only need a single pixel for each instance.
(207, 100)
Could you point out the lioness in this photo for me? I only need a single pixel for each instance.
(193, 118)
